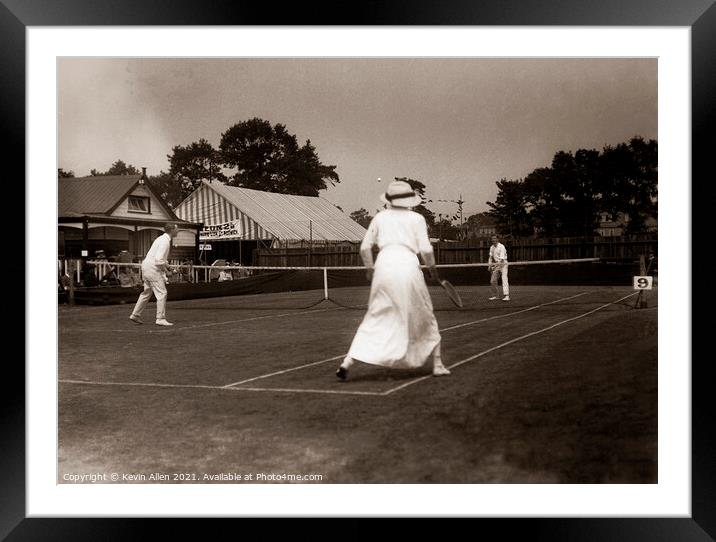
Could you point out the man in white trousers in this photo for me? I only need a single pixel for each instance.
(497, 265)
(154, 269)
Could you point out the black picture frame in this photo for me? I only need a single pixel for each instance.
(699, 15)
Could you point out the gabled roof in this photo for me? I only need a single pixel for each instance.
(92, 195)
(285, 217)
(98, 195)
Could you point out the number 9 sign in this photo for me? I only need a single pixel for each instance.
(643, 283)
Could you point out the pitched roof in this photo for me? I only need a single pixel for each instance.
(92, 195)
(99, 195)
(284, 216)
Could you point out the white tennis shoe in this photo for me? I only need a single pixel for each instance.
(492, 298)
(163, 322)
(441, 370)
(506, 298)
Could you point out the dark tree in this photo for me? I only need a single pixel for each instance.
(567, 198)
(362, 217)
(194, 163)
(510, 209)
(543, 202)
(574, 181)
(118, 168)
(168, 187)
(419, 189)
(269, 158)
(630, 181)
(62, 174)
(445, 229)
(584, 192)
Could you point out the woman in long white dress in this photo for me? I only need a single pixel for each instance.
(399, 329)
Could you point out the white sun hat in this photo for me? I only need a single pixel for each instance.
(400, 194)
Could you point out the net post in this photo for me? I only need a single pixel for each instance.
(641, 298)
(642, 263)
(325, 283)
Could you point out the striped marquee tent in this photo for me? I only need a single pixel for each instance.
(232, 213)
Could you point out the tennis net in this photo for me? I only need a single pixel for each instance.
(244, 287)
(348, 287)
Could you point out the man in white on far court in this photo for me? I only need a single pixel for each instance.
(497, 265)
(154, 268)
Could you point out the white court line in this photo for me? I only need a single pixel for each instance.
(138, 384)
(182, 328)
(308, 311)
(219, 388)
(291, 369)
(256, 318)
(512, 313)
(475, 356)
(308, 390)
(346, 392)
(285, 371)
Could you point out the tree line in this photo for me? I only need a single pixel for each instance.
(251, 154)
(569, 197)
(565, 199)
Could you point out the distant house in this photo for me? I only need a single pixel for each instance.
(481, 225)
(116, 214)
(611, 225)
(615, 225)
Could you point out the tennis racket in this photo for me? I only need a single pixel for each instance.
(451, 293)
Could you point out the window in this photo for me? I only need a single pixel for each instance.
(138, 204)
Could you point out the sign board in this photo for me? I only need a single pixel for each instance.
(85, 253)
(643, 283)
(227, 230)
(204, 246)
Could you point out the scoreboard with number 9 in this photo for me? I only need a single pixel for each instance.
(643, 283)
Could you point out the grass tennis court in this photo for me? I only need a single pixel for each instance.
(559, 385)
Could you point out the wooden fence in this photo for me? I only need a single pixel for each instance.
(323, 256)
(477, 251)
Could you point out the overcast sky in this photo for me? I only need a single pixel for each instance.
(457, 125)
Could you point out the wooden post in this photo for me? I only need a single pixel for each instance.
(196, 247)
(71, 295)
(85, 234)
(133, 241)
(310, 242)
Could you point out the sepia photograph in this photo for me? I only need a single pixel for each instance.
(359, 261)
(357, 270)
